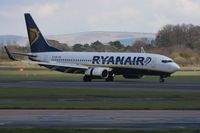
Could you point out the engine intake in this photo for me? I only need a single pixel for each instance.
(97, 72)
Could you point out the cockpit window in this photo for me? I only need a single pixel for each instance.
(166, 61)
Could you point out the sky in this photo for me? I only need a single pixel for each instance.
(55, 17)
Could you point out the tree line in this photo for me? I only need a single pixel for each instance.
(186, 34)
(180, 42)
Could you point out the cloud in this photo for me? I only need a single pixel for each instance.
(158, 22)
(42, 11)
(69, 16)
(189, 8)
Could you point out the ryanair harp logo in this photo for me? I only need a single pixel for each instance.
(34, 35)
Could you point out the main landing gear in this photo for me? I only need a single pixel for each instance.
(87, 79)
(110, 79)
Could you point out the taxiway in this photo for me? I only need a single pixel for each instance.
(125, 85)
(101, 119)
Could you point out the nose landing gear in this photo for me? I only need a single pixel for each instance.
(162, 80)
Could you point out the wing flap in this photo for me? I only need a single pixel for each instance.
(10, 55)
(25, 54)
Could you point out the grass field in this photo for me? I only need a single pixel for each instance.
(35, 74)
(92, 131)
(61, 98)
(84, 98)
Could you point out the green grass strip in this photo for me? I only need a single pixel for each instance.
(61, 98)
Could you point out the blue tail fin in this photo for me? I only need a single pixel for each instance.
(36, 40)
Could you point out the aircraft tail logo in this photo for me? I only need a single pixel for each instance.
(34, 35)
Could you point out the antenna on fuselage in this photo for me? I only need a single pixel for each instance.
(142, 50)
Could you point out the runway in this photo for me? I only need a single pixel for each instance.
(102, 119)
(125, 85)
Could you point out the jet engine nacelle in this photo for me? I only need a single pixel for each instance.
(97, 72)
(133, 76)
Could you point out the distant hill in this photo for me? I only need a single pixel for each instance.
(13, 39)
(126, 38)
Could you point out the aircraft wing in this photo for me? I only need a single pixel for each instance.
(10, 55)
(62, 67)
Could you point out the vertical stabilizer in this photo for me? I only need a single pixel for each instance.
(36, 39)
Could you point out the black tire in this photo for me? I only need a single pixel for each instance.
(109, 79)
(87, 79)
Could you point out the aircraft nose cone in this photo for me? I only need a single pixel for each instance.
(176, 67)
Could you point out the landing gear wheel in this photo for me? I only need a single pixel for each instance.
(162, 80)
(109, 79)
(87, 79)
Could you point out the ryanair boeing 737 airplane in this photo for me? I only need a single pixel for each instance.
(94, 65)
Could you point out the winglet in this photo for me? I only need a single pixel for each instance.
(9, 54)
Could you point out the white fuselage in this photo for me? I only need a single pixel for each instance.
(135, 61)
